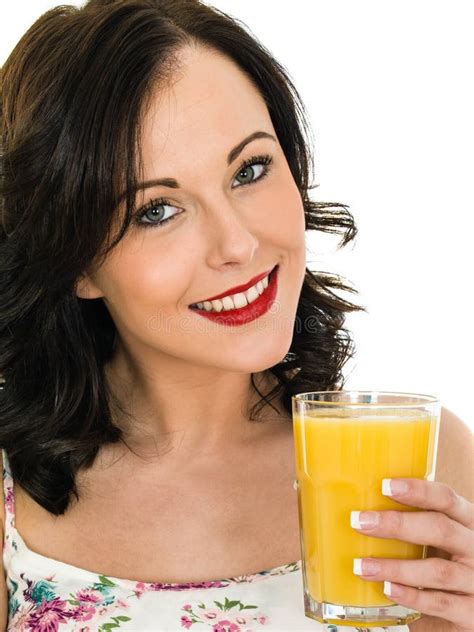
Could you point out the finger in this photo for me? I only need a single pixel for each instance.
(431, 495)
(418, 527)
(428, 573)
(458, 609)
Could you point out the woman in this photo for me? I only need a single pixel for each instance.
(155, 160)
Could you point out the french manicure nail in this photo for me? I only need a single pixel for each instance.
(387, 588)
(364, 519)
(363, 566)
(392, 590)
(393, 487)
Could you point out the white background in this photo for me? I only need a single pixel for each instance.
(388, 87)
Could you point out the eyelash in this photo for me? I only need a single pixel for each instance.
(264, 159)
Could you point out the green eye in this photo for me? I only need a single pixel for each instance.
(247, 168)
(151, 215)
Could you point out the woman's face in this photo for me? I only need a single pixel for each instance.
(229, 225)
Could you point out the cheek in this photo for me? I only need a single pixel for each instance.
(141, 281)
(284, 216)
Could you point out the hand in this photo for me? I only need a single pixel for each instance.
(448, 524)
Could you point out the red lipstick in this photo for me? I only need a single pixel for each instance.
(243, 315)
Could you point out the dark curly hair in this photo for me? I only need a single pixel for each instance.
(68, 151)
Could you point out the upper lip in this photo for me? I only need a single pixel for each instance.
(240, 288)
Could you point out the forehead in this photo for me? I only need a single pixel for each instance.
(210, 106)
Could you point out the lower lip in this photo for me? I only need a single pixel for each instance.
(243, 315)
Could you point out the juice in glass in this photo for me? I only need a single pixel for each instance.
(342, 453)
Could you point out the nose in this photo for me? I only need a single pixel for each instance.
(230, 234)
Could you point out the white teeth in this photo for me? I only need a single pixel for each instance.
(252, 294)
(217, 305)
(235, 301)
(227, 302)
(240, 300)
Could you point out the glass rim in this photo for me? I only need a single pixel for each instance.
(422, 399)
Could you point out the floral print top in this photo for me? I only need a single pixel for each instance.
(45, 595)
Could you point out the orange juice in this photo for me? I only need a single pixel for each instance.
(340, 464)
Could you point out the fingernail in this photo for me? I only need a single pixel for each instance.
(363, 566)
(394, 487)
(392, 590)
(364, 519)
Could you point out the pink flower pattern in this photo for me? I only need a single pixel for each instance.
(42, 610)
(227, 617)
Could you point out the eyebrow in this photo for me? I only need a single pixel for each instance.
(234, 152)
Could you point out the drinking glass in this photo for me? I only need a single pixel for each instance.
(346, 442)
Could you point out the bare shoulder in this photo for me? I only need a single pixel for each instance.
(455, 451)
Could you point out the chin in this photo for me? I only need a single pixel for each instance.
(261, 357)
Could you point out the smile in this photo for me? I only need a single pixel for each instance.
(243, 307)
(235, 301)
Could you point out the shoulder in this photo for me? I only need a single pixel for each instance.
(454, 460)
